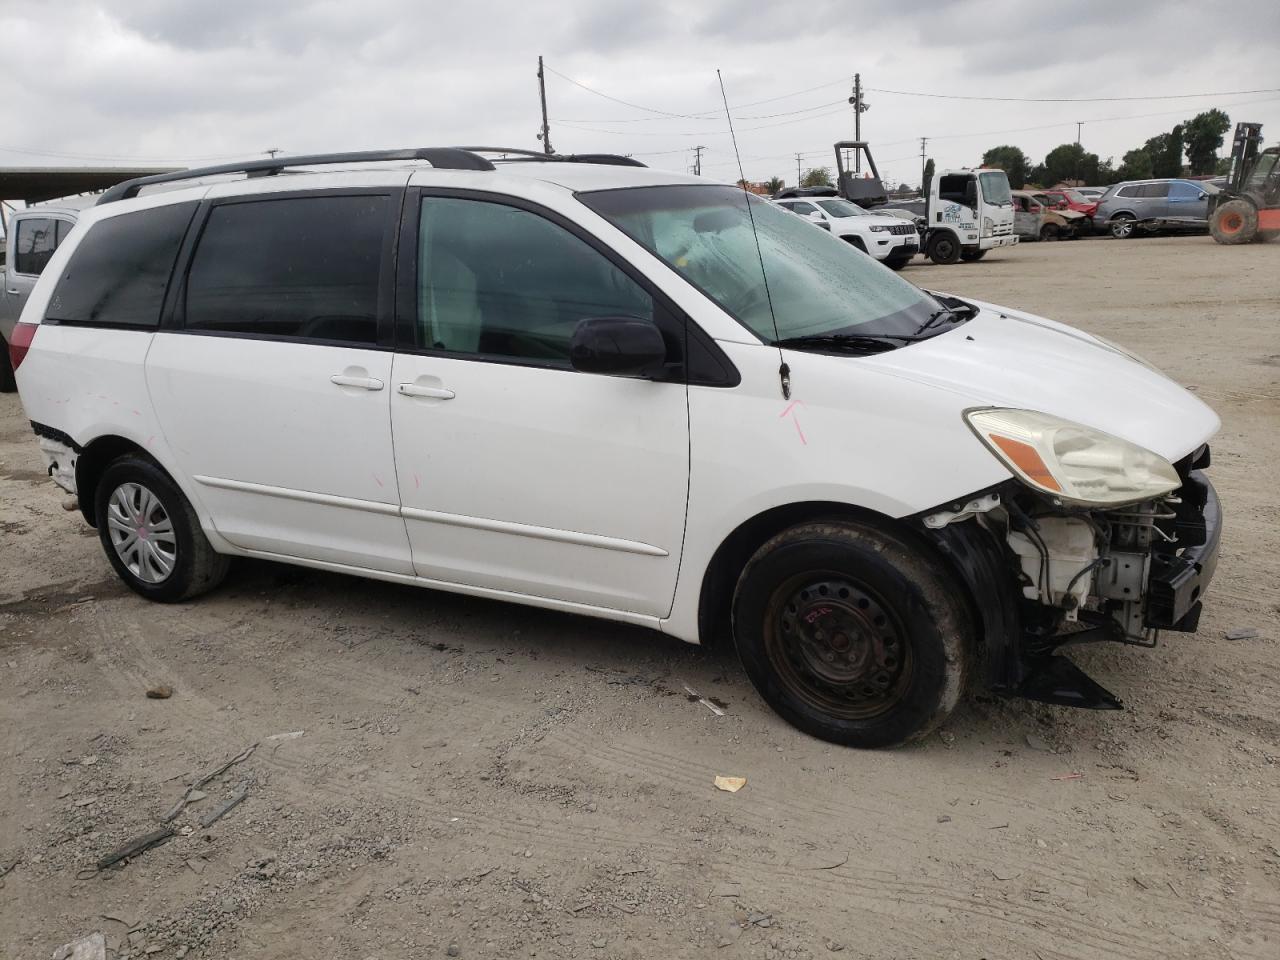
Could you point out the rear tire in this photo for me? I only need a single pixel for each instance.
(1235, 221)
(1050, 231)
(8, 383)
(1121, 226)
(151, 535)
(944, 249)
(853, 633)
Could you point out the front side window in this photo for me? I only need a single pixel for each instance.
(37, 238)
(298, 267)
(1184, 191)
(118, 274)
(1155, 191)
(499, 281)
(804, 209)
(817, 283)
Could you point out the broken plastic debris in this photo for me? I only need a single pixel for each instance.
(1068, 776)
(730, 784)
(92, 947)
(1242, 633)
(291, 735)
(695, 695)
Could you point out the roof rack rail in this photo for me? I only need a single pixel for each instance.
(610, 159)
(445, 158)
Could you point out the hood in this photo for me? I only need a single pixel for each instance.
(882, 220)
(1004, 358)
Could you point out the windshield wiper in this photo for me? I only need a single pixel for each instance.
(952, 307)
(862, 342)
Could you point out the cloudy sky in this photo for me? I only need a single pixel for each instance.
(157, 81)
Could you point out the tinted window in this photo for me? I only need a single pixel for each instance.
(1129, 191)
(506, 282)
(36, 241)
(305, 267)
(118, 273)
(953, 187)
(1155, 191)
(804, 208)
(64, 227)
(1179, 190)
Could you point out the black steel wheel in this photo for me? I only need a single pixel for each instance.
(853, 633)
(944, 248)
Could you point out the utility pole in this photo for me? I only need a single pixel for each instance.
(859, 108)
(924, 141)
(697, 161)
(271, 152)
(798, 156)
(545, 135)
(1079, 124)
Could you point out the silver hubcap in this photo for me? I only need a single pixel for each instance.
(1123, 228)
(141, 533)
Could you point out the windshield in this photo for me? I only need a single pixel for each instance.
(1075, 196)
(995, 187)
(842, 208)
(818, 283)
(1261, 170)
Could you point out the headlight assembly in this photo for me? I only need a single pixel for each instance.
(1072, 462)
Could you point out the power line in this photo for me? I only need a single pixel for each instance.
(1161, 96)
(759, 116)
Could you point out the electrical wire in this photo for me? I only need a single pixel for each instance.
(1160, 96)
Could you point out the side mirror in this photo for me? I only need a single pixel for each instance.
(1201, 195)
(619, 346)
(971, 194)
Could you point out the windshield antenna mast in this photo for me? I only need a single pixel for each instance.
(784, 371)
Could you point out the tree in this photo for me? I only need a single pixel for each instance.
(1165, 151)
(1202, 137)
(1136, 165)
(1069, 162)
(774, 184)
(816, 177)
(928, 176)
(1037, 177)
(1012, 161)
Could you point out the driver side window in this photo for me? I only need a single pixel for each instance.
(499, 281)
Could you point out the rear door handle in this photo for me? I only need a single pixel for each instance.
(417, 390)
(368, 383)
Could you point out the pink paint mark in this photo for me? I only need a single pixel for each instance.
(376, 479)
(417, 482)
(150, 440)
(791, 409)
(137, 413)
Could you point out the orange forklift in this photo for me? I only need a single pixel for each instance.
(1248, 208)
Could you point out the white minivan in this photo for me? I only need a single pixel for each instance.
(581, 384)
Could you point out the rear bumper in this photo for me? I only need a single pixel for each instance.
(1177, 582)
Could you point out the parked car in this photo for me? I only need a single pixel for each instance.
(1068, 198)
(1089, 193)
(34, 234)
(584, 385)
(1153, 205)
(1034, 218)
(887, 238)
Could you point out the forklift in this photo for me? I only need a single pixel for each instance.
(1248, 208)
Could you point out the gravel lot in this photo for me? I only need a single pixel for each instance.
(485, 780)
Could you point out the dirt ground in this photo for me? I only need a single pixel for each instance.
(486, 780)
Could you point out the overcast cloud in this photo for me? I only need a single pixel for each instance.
(155, 81)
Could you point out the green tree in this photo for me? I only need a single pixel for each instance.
(1165, 151)
(1012, 161)
(775, 184)
(1202, 137)
(816, 177)
(1036, 177)
(1136, 165)
(1068, 162)
(928, 176)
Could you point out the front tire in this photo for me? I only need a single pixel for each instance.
(1049, 231)
(944, 249)
(151, 534)
(853, 633)
(1121, 226)
(896, 263)
(1235, 221)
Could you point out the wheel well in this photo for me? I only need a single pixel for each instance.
(93, 462)
(715, 602)
(856, 241)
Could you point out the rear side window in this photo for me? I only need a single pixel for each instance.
(35, 242)
(299, 267)
(1130, 191)
(118, 275)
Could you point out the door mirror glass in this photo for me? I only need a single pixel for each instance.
(621, 346)
(971, 194)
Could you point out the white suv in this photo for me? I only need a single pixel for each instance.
(580, 384)
(891, 240)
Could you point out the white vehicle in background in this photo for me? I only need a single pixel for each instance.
(891, 240)
(583, 385)
(969, 212)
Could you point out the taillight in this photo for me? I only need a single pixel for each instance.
(20, 342)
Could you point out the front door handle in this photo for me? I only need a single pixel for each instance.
(418, 390)
(368, 383)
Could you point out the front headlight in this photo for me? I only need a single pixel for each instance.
(877, 228)
(1071, 462)
(988, 226)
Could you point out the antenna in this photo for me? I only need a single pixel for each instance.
(784, 371)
